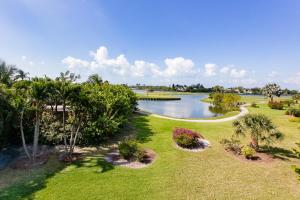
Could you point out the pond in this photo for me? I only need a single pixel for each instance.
(189, 106)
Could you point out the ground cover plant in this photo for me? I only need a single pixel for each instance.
(186, 138)
(278, 105)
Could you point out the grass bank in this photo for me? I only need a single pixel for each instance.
(157, 96)
(176, 174)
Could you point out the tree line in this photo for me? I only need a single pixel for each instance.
(60, 111)
(217, 88)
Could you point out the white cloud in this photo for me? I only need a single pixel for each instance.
(235, 73)
(27, 61)
(294, 79)
(273, 74)
(24, 58)
(179, 67)
(224, 70)
(246, 81)
(119, 65)
(210, 69)
(73, 62)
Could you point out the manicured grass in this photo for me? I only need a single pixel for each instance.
(157, 96)
(176, 174)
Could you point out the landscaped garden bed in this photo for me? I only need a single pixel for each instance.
(128, 154)
(189, 140)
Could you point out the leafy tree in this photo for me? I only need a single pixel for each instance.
(38, 95)
(22, 104)
(271, 90)
(218, 89)
(259, 127)
(7, 73)
(224, 102)
(21, 75)
(296, 97)
(7, 116)
(95, 79)
(64, 89)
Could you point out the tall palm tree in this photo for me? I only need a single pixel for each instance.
(21, 75)
(7, 73)
(95, 79)
(64, 82)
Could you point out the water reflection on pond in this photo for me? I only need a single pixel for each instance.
(189, 106)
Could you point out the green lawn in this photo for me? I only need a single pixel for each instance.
(176, 174)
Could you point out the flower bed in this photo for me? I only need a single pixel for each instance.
(189, 139)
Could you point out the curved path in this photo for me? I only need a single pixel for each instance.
(243, 112)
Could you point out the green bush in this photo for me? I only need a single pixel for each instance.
(277, 105)
(225, 102)
(140, 155)
(186, 141)
(248, 152)
(128, 149)
(232, 145)
(288, 102)
(294, 112)
(254, 105)
(186, 138)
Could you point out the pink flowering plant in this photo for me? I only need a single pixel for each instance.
(186, 138)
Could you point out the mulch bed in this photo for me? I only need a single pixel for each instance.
(115, 158)
(69, 158)
(259, 157)
(25, 163)
(203, 145)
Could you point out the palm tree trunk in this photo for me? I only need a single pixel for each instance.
(254, 143)
(64, 126)
(23, 137)
(75, 137)
(36, 136)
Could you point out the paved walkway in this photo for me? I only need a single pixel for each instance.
(243, 112)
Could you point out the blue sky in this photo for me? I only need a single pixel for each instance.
(232, 42)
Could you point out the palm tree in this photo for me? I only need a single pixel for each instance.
(259, 127)
(7, 73)
(21, 75)
(64, 88)
(95, 79)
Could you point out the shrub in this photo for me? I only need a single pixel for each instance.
(248, 152)
(294, 112)
(232, 145)
(254, 105)
(288, 102)
(225, 102)
(186, 138)
(128, 149)
(141, 155)
(278, 105)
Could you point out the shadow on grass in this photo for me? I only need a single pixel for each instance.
(37, 179)
(26, 188)
(142, 128)
(94, 161)
(137, 127)
(278, 152)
